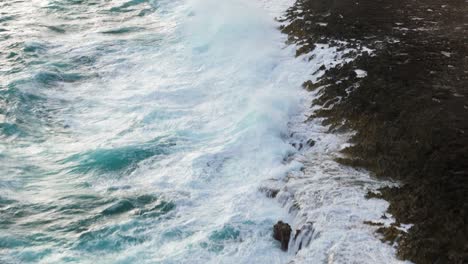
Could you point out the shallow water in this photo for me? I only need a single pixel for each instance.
(140, 131)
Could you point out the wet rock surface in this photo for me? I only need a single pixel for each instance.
(282, 233)
(269, 192)
(406, 98)
(303, 236)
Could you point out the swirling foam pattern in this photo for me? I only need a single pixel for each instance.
(138, 131)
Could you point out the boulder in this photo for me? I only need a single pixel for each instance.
(282, 233)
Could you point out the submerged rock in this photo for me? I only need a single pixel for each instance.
(282, 233)
(269, 192)
(270, 188)
(311, 142)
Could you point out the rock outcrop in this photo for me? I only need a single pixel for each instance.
(282, 233)
(406, 97)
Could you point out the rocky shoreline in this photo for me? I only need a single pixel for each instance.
(405, 96)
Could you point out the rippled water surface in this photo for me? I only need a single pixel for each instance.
(138, 131)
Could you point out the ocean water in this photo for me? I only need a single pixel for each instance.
(140, 131)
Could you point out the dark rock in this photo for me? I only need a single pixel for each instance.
(370, 195)
(372, 223)
(311, 142)
(282, 233)
(269, 192)
(409, 114)
(310, 86)
(390, 234)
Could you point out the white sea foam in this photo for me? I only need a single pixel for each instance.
(217, 78)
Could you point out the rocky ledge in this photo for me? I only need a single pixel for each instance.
(405, 96)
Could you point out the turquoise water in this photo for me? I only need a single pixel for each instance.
(139, 131)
